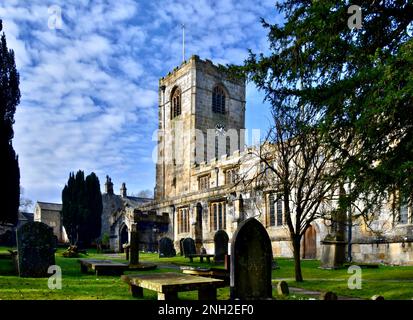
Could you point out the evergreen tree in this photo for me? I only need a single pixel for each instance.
(82, 208)
(9, 99)
(358, 84)
(69, 212)
(94, 205)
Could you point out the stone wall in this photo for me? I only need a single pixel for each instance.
(53, 219)
(396, 253)
(111, 203)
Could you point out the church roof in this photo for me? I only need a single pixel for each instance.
(26, 216)
(134, 201)
(50, 206)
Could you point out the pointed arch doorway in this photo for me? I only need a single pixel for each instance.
(123, 237)
(310, 243)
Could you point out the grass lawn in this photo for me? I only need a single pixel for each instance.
(388, 281)
(391, 282)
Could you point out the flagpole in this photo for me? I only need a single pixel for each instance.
(183, 43)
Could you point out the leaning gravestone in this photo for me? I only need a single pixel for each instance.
(221, 245)
(36, 248)
(188, 245)
(251, 261)
(166, 248)
(282, 288)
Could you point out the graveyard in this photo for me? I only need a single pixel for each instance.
(271, 162)
(391, 282)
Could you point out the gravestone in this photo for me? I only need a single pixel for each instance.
(134, 245)
(188, 245)
(166, 248)
(282, 288)
(328, 296)
(36, 248)
(126, 249)
(181, 246)
(221, 245)
(251, 261)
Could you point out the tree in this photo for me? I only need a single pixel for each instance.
(9, 99)
(25, 203)
(294, 166)
(144, 194)
(95, 206)
(357, 84)
(69, 210)
(82, 208)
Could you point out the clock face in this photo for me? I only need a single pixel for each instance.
(220, 128)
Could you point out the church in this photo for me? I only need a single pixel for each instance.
(201, 117)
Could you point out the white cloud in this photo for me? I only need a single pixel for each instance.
(89, 90)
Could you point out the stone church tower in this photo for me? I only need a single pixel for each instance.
(201, 118)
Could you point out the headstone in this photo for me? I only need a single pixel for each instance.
(36, 248)
(251, 261)
(227, 262)
(377, 297)
(333, 252)
(126, 249)
(188, 245)
(134, 245)
(328, 296)
(282, 288)
(166, 248)
(181, 246)
(221, 245)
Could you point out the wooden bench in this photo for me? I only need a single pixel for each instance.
(201, 257)
(102, 267)
(168, 284)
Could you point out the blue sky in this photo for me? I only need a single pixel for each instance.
(89, 89)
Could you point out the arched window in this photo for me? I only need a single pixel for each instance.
(218, 100)
(176, 103)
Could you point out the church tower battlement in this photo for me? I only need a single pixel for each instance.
(201, 117)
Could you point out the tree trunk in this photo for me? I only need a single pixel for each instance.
(297, 258)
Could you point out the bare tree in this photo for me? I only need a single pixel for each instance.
(144, 194)
(293, 164)
(25, 203)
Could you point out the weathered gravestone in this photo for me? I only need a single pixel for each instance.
(166, 248)
(188, 246)
(328, 296)
(251, 261)
(282, 288)
(134, 245)
(181, 246)
(36, 247)
(221, 245)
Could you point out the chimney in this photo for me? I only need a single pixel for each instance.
(123, 190)
(108, 185)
